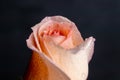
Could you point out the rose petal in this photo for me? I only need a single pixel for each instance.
(31, 43)
(37, 68)
(75, 65)
(36, 39)
(41, 67)
(88, 47)
(58, 39)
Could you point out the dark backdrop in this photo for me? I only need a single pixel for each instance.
(99, 18)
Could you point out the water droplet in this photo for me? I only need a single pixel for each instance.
(83, 76)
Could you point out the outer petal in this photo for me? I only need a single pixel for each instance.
(41, 67)
(75, 62)
(37, 69)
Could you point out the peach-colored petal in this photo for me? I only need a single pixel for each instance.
(58, 39)
(41, 67)
(73, 63)
(31, 43)
(35, 33)
(37, 68)
(74, 38)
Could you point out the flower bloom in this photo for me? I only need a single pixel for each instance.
(59, 51)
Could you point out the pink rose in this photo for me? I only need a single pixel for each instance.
(59, 51)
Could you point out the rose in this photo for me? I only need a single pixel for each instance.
(59, 51)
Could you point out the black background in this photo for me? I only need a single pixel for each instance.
(98, 18)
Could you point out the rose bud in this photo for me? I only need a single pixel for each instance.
(59, 51)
